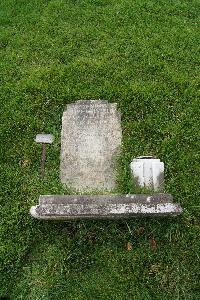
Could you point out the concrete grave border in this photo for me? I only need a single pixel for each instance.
(71, 207)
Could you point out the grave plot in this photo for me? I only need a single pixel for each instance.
(90, 143)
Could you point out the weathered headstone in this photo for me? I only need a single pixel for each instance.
(90, 141)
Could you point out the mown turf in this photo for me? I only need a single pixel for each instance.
(142, 54)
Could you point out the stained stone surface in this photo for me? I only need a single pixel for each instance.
(44, 138)
(69, 207)
(90, 142)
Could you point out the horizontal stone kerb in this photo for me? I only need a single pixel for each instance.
(105, 199)
(69, 207)
(75, 211)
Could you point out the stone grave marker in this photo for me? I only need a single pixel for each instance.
(90, 142)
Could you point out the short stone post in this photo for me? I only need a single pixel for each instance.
(148, 172)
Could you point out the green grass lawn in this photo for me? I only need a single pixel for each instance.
(142, 54)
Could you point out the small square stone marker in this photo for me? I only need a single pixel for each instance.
(43, 138)
(90, 141)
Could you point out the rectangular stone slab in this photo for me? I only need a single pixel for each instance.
(90, 142)
(105, 199)
(56, 207)
(44, 138)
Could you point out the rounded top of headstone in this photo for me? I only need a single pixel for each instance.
(87, 103)
(92, 101)
(145, 158)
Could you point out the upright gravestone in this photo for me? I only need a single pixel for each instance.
(90, 141)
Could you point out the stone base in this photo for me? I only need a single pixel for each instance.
(71, 207)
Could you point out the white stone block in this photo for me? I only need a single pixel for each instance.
(148, 172)
(44, 138)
